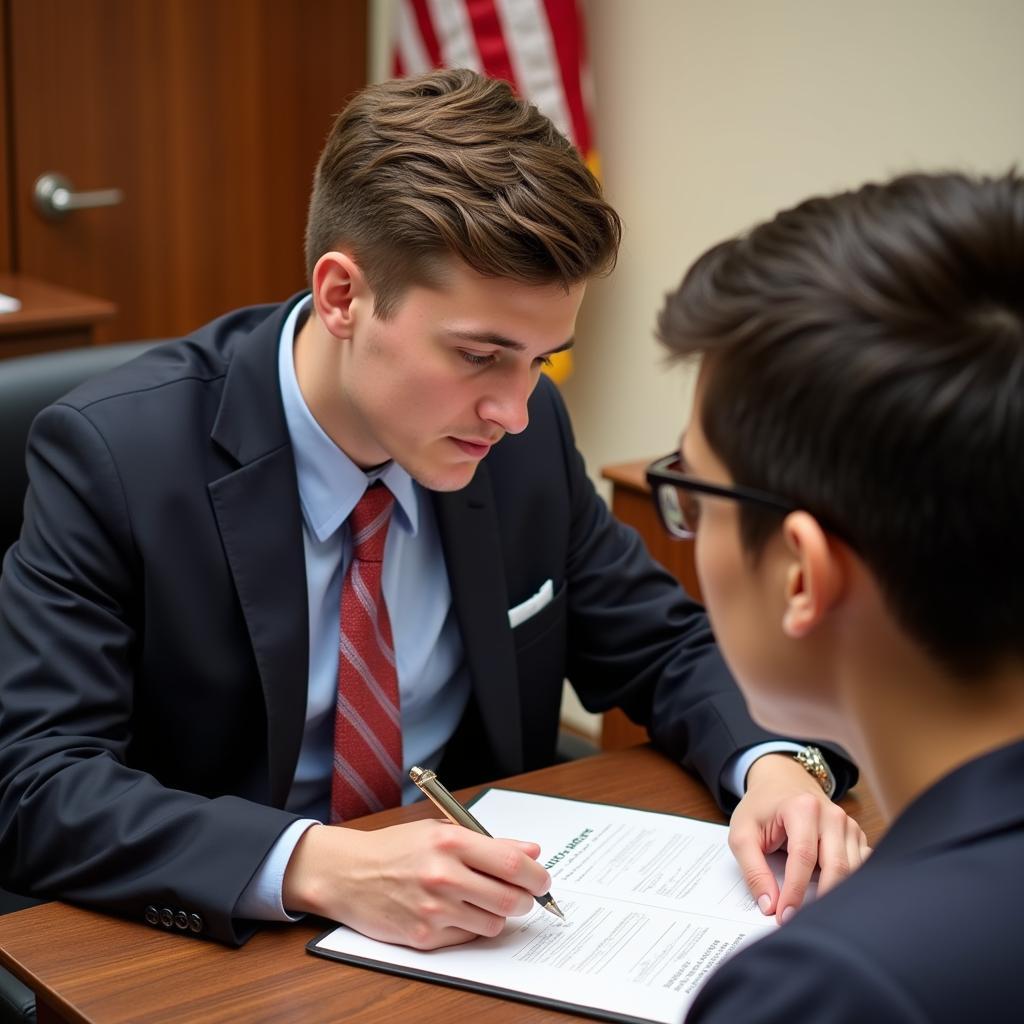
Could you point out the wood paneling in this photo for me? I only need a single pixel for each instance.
(6, 198)
(208, 114)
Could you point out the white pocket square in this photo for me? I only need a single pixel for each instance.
(531, 605)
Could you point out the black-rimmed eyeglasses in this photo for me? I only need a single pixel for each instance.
(673, 493)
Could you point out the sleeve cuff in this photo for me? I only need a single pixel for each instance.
(734, 774)
(262, 898)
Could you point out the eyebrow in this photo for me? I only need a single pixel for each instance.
(490, 338)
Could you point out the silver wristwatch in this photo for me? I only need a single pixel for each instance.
(814, 761)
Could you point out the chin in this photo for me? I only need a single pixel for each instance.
(451, 478)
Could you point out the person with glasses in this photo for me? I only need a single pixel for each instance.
(851, 476)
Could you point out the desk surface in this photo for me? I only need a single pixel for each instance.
(88, 967)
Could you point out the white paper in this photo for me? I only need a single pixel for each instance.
(652, 902)
(9, 304)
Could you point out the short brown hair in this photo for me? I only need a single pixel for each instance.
(865, 361)
(453, 164)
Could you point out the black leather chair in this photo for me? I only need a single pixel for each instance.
(27, 385)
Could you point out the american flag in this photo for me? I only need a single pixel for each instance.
(538, 46)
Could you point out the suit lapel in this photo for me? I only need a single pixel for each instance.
(468, 525)
(260, 523)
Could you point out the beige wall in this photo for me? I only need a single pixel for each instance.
(712, 114)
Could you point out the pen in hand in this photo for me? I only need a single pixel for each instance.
(432, 788)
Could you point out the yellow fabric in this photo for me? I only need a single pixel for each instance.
(560, 368)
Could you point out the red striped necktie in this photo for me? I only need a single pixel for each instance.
(367, 773)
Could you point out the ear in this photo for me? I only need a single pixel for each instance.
(340, 293)
(814, 577)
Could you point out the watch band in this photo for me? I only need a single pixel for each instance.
(813, 760)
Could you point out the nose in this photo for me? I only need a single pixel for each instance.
(506, 403)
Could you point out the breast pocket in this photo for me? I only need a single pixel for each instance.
(540, 624)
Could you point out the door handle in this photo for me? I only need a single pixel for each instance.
(55, 197)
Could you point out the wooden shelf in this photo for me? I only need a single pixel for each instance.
(50, 317)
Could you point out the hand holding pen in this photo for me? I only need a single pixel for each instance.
(436, 792)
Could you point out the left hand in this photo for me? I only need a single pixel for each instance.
(785, 805)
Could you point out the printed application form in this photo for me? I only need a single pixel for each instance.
(653, 902)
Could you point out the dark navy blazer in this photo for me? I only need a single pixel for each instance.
(928, 931)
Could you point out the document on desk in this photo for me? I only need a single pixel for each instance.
(653, 903)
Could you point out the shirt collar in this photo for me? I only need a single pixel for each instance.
(330, 483)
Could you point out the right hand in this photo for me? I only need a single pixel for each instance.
(423, 884)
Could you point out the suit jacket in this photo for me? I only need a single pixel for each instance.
(154, 633)
(928, 931)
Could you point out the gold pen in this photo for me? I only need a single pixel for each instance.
(435, 791)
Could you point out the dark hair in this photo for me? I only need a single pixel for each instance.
(865, 358)
(451, 163)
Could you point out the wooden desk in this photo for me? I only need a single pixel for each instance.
(49, 318)
(86, 967)
(632, 505)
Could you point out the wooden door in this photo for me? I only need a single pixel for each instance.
(207, 115)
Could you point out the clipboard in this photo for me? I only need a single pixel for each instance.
(653, 902)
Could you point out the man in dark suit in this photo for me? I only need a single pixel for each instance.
(203, 654)
(852, 474)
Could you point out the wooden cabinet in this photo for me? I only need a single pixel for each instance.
(49, 318)
(631, 504)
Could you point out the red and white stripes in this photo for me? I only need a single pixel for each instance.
(536, 45)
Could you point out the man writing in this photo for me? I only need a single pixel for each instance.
(267, 568)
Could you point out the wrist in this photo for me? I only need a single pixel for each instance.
(300, 888)
(781, 769)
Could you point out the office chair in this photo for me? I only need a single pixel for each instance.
(27, 385)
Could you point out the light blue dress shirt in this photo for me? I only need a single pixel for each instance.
(433, 681)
